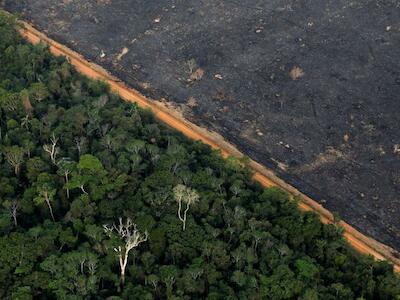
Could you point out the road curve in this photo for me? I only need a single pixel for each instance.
(173, 119)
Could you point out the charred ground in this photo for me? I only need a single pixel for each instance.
(311, 90)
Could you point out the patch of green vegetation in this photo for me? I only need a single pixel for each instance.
(98, 200)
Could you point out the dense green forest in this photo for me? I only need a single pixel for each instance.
(99, 200)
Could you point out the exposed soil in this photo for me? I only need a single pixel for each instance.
(310, 90)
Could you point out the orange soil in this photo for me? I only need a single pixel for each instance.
(266, 177)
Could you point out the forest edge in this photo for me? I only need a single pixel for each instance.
(172, 118)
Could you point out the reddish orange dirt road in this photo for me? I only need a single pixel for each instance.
(170, 117)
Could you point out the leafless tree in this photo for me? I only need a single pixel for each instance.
(186, 195)
(52, 148)
(46, 195)
(131, 238)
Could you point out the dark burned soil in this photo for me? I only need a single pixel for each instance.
(309, 88)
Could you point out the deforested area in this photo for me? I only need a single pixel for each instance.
(99, 200)
(308, 89)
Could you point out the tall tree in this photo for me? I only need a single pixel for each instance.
(45, 191)
(186, 195)
(90, 173)
(130, 237)
(52, 148)
(15, 157)
(65, 167)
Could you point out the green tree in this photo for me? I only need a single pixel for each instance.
(46, 191)
(89, 173)
(65, 168)
(168, 274)
(15, 157)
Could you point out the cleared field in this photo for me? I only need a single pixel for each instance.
(100, 200)
(310, 90)
(357, 240)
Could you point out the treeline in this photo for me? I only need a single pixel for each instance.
(98, 200)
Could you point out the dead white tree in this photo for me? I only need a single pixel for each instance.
(131, 238)
(187, 195)
(46, 195)
(52, 148)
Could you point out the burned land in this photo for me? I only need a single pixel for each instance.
(311, 90)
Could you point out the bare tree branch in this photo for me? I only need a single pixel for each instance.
(131, 237)
(52, 149)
